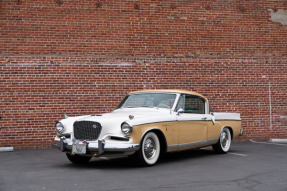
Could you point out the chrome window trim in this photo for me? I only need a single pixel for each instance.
(184, 94)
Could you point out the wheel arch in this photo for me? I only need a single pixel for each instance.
(161, 137)
(230, 129)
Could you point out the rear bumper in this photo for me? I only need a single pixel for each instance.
(100, 146)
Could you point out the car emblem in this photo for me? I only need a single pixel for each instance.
(94, 126)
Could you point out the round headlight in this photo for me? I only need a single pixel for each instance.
(126, 129)
(59, 127)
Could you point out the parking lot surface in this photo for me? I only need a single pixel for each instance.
(248, 166)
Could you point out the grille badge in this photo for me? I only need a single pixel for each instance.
(94, 126)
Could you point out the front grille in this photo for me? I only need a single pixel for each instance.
(87, 130)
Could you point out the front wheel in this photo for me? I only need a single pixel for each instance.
(149, 149)
(78, 159)
(224, 142)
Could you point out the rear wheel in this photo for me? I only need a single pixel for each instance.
(224, 142)
(78, 159)
(149, 149)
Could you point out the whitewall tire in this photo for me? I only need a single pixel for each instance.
(149, 150)
(224, 141)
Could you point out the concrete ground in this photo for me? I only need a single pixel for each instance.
(248, 166)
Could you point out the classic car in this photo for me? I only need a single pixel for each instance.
(146, 124)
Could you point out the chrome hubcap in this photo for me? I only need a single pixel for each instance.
(149, 148)
(224, 139)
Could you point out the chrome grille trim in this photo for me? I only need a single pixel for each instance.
(87, 130)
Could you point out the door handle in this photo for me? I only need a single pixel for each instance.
(204, 118)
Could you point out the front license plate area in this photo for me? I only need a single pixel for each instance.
(79, 148)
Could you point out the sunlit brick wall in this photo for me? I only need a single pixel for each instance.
(82, 57)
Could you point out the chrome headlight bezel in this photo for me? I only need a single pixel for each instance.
(126, 128)
(59, 127)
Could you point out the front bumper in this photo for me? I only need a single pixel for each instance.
(99, 147)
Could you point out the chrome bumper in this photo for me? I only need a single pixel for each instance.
(99, 146)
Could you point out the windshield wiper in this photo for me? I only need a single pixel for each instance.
(139, 106)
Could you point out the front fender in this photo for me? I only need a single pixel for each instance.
(166, 129)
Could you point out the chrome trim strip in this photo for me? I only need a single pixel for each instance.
(167, 122)
(186, 121)
(185, 145)
(153, 123)
(227, 119)
(194, 120)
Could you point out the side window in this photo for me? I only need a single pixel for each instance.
(194, 104)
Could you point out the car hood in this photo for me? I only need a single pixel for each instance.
(124, 114)
(111, 122)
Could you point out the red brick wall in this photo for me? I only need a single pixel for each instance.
(79, 59)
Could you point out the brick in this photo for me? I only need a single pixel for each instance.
(79, 59)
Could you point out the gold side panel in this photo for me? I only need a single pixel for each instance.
(235, 125)
(192, 131)
(169, 130)
(214, 130)
(184, 132)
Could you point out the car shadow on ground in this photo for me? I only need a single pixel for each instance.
(130, 162)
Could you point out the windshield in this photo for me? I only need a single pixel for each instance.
(159, 100)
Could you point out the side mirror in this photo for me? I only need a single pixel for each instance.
(212, 117)
(180, 111)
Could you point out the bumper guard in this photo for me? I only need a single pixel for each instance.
(100, 146)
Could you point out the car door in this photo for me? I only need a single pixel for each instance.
(191, 121)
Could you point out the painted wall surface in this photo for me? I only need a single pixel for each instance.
(82, 57)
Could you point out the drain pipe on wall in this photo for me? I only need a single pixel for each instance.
(270, 106)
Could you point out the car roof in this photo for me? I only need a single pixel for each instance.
(169, 91)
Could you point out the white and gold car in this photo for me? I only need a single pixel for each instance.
(146, 124)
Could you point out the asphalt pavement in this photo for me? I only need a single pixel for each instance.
(248, 166)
